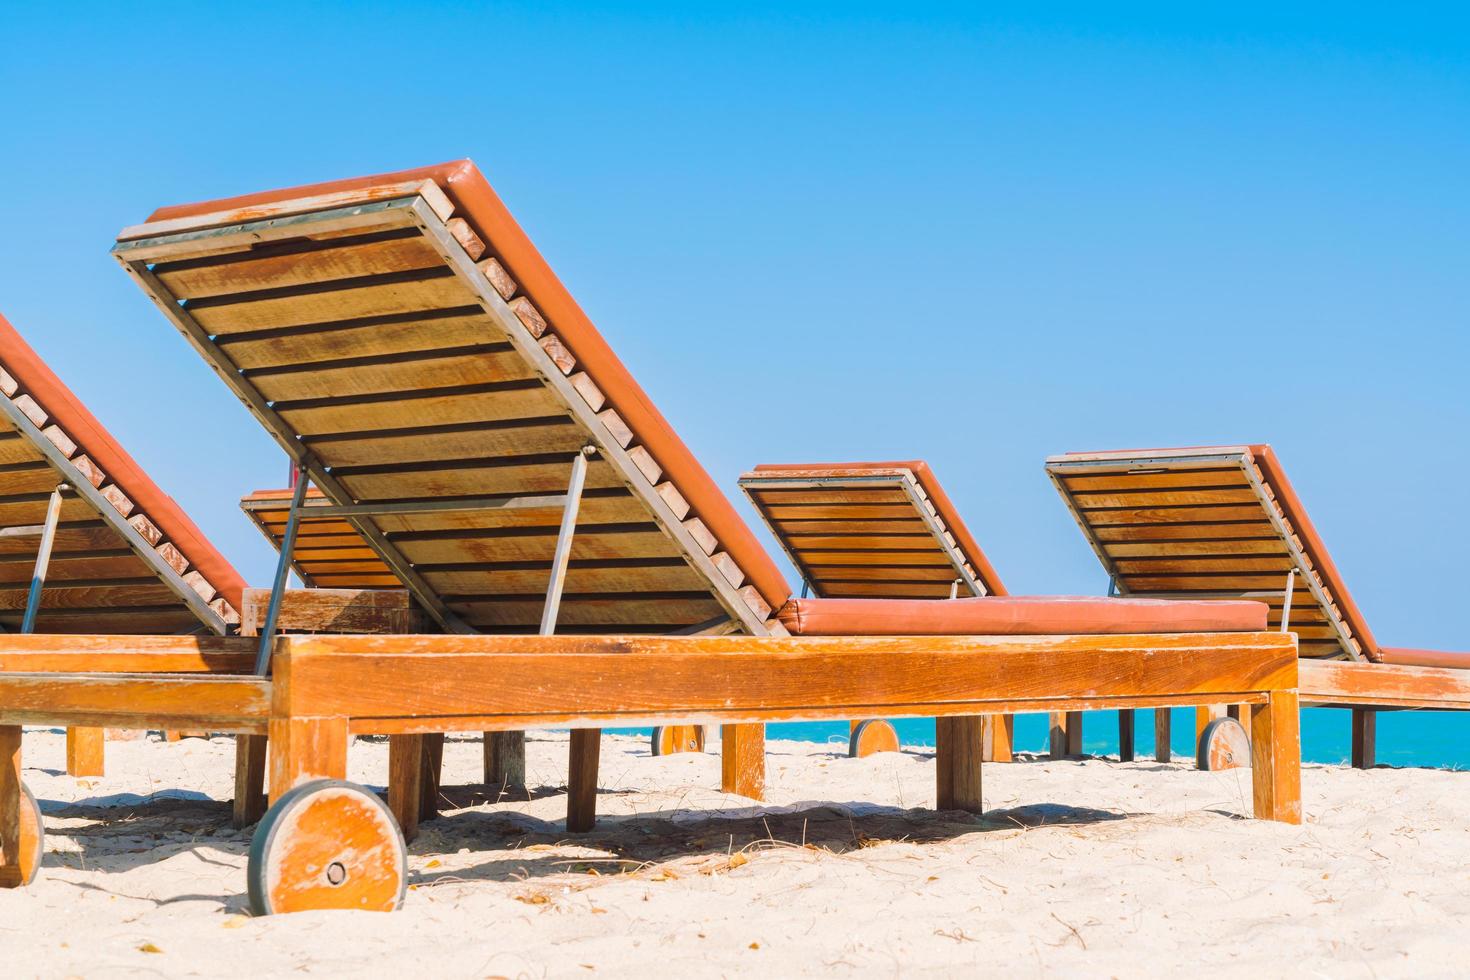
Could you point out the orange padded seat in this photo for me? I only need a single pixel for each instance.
(1017, 616)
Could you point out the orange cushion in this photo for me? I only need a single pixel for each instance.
(1017, 616)
(1406, 657)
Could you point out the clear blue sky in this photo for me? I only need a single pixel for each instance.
(856, 231)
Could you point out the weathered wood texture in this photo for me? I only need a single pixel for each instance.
(1163, 732)
(958, 747)
(1276, 758)
(333, 611)
(586, 746)
(1342, 684)
(1126, 720)
(1365, 737)
(250, 773)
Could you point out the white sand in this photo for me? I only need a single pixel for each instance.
(1088, 867)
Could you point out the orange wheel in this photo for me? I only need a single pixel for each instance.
(873, 735)
(32, 841)
(327, 844)
(1223, 745)
(669, 739)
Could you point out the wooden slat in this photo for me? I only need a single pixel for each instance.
(332, 305)
(461, 442)
(425, 410)
(581, 611)
(468, 479)
(825, 497)
(400, 372)
(395, 336)
(587, 544)
(295, 263)
(496, 581)
(1227, 477)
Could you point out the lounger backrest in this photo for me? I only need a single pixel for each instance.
(870, 530)
(126, 559)
(402, 338)
(1217, 521)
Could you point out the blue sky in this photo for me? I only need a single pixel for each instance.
(843, 232)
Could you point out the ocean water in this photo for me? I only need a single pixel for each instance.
(1436, 739)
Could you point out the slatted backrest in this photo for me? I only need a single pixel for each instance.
(329, 552)
(125, 558)
(870, 530)
(401, 339)
(1212, 522)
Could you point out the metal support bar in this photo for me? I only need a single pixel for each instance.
(283, 571)
(564, 541)
(954, 588)
(1112, 586)
(1286, 602)
(43, 559)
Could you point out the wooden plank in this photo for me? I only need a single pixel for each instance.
(134, 701)
(858, 542)
(385, 336)
(891, 573)
(1189, 531)
(1231, 477)
(1384, 685)
(515, 581)
(467, 478)
(388, 296)
(1213, 549)
(71, 569)
(1163, 731)
(414, 371)
(1234, 564)
(677, 678)
(1165, 498)
(250, 773)
(932, 558)
(406, 781)
(482, 404)
(470, 441)
(1174, 515)
(616, 507)
(589, 544)
(333, 611)
(579, 611)
(826, 499)
(96, 653)
(296, 262)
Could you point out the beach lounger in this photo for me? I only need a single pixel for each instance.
(883, 530)
(1223, 522)
(88, 543)
(457, 409)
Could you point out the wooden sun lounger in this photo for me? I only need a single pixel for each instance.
(1224, 522)
(413, 354)
(89, 543)
(882, 530)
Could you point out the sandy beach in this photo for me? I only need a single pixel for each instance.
(1085, 867)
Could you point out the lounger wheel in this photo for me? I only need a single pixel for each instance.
(1223, 745)
(32, 842)
(873, 735)
(669, 739)
(327, 844)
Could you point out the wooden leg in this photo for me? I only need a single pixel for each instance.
(1074, 733)
(505, 760)
(1057, 725)
(249, 779)
(306, 748)
(433, 770)
(582, 779)
(11, 874)
(958, 750)
(1276, 758)
(1000, 738)
(1126, 718)
(84, 751)
(743, 760)
(1162, 732)
(1365, 738)
(406, 781)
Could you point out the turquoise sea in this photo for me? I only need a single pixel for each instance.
(1405, 738)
